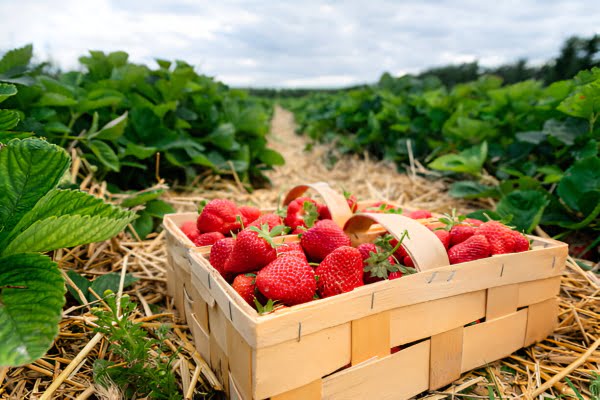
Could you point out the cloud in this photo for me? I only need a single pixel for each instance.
(288, 44)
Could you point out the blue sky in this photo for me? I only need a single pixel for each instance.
(311, 43)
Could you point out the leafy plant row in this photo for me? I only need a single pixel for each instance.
(120, 115)
(532, 147)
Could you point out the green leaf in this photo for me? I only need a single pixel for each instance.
(112, 130)
(139, 151)
(16, 58)
(142, 198)
(31, 300)
(56, 100)
(105, 154)
(110, 282)
(583, 176)
(65, 231)
(29, 168)
(271, 157)
(82, 284)
(472, 190)
(565, 131)
(584, 103)
(8, 119)
(57, 127)
(60, 203)
(158, 208)
(525, 206)
(223, 137)
(7, 90)
(469, 161)
(143, 225)
(533, 137)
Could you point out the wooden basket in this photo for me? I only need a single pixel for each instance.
(179, 245)
(340, 347)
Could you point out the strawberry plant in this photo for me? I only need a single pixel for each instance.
(36, 217)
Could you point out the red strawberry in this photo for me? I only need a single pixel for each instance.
(473, 221)
(400, 253)
(322, 239)
(408, 262)
(190, 230)
(352, 202)
(521, 242)
(341, 271)
(323, 211)
(249, 214)
(394, 275)
(303, 211)
(245, 285)
(288, 279)
(366, 249)
(376, 263)
(419, 214)
(379, 207)
(207, 239)
(474, 248)
(219, 254)
(500, 237)
(219, 215)
(270, 219)
(254, 248)
(444, 237)
(460, 233)
(290, 249)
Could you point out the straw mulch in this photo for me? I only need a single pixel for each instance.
(66, 371)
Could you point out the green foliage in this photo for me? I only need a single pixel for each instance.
(99, 285)
(120, 115)
(540, 143)
(35, 216)
(140, 368)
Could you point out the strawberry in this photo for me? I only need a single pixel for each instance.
(254, 248)
(245, 285)
(408, 262)
(395, 275)
(474, 248)
(270, 219)
(190, 230)
(400, 253)
(351, 200)
(521, 242)
(322, 239)
(473, 221)
(219, 215)
(249, 214)
(287, 279)
(499, 236)
(460, 233)
(377, 261)
(207, 239)
(303, 211)
(444, 237)
(379, 207)
(419, 214)
(219, 254)
(323, 211)
(341, 271)
(291, 249)
(366, 249)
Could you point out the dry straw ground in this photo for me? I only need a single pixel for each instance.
(65, 372)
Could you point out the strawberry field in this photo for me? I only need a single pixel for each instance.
(430, 187)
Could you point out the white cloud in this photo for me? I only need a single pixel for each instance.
(263, 43)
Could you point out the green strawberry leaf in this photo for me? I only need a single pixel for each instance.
(7, 90)
(29, 168)
(525, 206)
(31, 301)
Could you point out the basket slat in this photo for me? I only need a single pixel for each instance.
(446, 357)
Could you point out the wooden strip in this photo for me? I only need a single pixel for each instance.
(435, 317)
(240, 362)
(310, 391)
(234, 393)
(396, 377)
(490, 341)
(370, 337)
(286, 366)
(446, 358)
(199, 306)
(501, 301)
(417, 288)
(542, 319)
(219, 363)
(201, 338)
(218, 326)
(538, 291)
(172, 222)
(422, 245)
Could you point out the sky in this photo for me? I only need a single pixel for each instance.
(308, 43)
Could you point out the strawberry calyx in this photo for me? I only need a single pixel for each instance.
(264, 233)
(451, 220)
(269, 306)
(378, 264)
(311, 214)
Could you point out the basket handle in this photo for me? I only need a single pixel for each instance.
(337, 204)
(425, 249)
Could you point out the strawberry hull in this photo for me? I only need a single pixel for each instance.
(301, 351)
